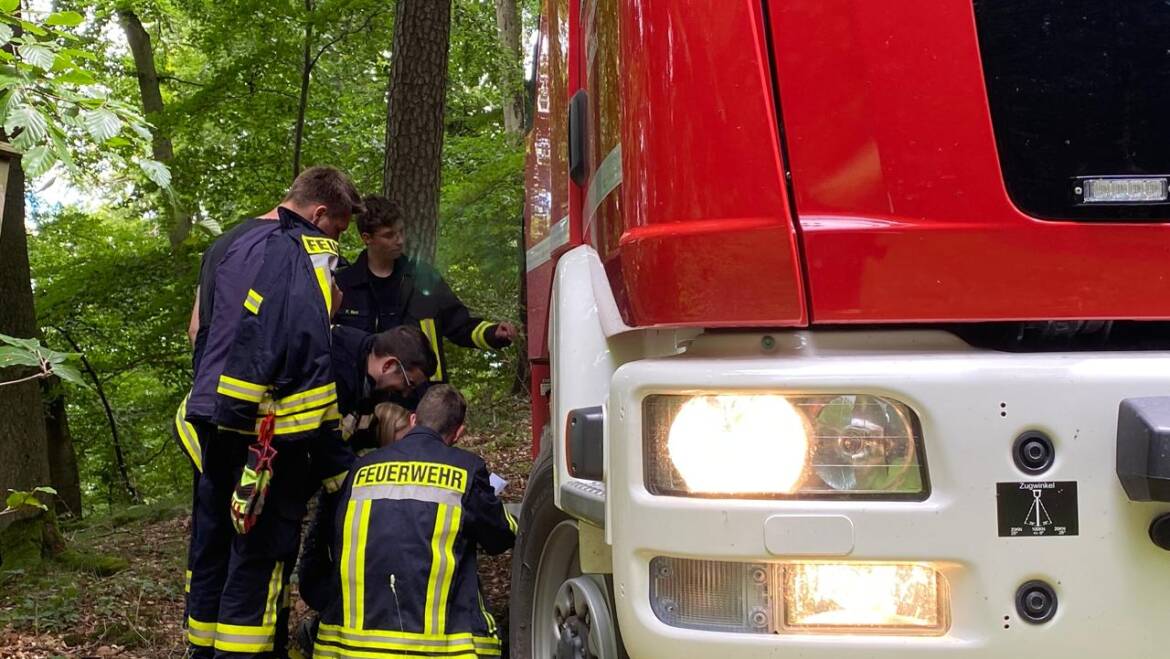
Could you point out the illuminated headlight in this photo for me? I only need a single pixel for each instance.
(820, 446)
(909, 599)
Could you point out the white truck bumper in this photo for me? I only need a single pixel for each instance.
(1111, 580)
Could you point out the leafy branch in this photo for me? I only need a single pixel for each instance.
(29, 352)
(48, 96)
(18, 499)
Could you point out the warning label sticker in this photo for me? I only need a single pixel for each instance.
(1037, 509)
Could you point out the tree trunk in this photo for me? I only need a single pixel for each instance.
(63, 471)
(306, 74)
(414, 118)
(23, 460)
(119, 455)
(152, 105)
(511, 67)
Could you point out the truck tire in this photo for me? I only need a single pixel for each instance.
(546, 567)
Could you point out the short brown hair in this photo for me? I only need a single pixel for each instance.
(328, 186)
(409, 346)
(380, 212)
(441, 409)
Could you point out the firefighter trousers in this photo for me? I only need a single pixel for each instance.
(237, 604)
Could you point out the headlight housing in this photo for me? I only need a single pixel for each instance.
(783, 446)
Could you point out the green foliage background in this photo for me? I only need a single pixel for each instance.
(104, 271)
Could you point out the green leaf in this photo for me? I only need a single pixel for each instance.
(76, 77)
(37, 55)
(209, 225)
(38, 160)
(27, 118)
(9, 6)
(27, 344)
(17, 499)
(156, 171)
(62, 149)
(65, 19)
(5, 33)
(102, 124)
(69, 374)
(45, 489)
(12, 356)
(33, 28)
(77, 53)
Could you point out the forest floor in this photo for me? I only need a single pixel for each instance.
(57, 610)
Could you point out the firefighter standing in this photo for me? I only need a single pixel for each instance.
(384, 288)
(262, 363)
(412, 514)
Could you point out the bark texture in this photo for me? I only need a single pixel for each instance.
(23, 459)
(138, 39)
(63, 471)
(414, 118)
(511, 67)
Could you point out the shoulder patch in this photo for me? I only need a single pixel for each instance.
(319, 245)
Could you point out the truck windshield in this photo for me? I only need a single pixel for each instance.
(1077, 88)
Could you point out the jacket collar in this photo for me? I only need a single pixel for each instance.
(290, 219)
(358, 273)
(423, 432)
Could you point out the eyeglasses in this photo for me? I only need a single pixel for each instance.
(409, 384)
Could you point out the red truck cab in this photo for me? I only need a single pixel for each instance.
(835, 309)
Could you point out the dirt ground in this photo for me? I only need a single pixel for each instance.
(62, 611)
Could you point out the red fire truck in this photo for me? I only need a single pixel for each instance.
(847, 324)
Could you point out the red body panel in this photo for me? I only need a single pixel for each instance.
(902, 205)
(706, 236)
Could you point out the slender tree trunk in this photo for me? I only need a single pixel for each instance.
(511, 67)
(163, 151)
(23, 460)
(306, 74)
(414, 118)
(63, 471)
(523, 367)
(119, 455)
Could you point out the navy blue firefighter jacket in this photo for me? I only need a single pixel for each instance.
(413, 515)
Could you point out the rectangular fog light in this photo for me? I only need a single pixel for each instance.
(907, 599)
(904, 598)
(1124, 190)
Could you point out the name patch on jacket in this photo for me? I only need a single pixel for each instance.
(434, 474)
(316, 245)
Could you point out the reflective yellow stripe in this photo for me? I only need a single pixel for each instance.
(442, 567)
(326, 287)
(200, 633)
(334, 483)
(187, 582)
(427, 325)
(478, 335)
(304, 400)
(360, 591)
(253, 301)
(188, 436)
(391, 643)
(511, 520)
(348, 566)
(239, 389)
(449, 574)
(488, 619)
(273, 602)
(294, 423)
(245, 638)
